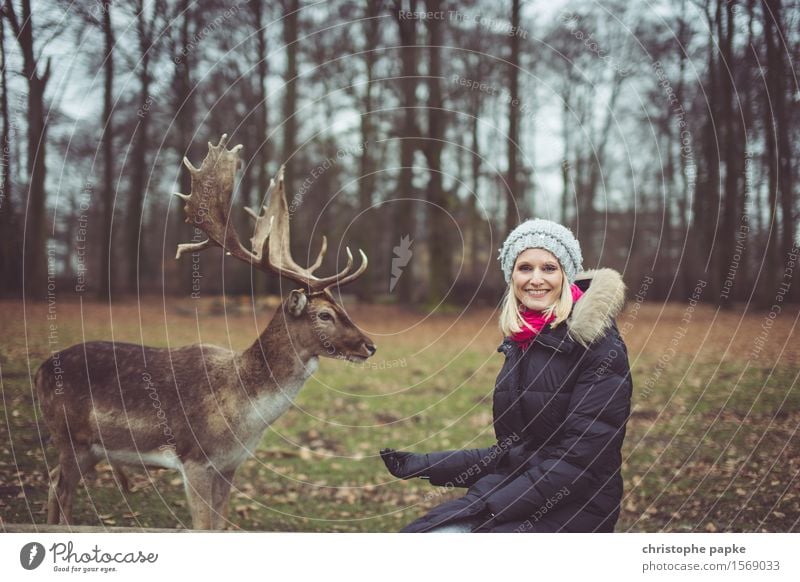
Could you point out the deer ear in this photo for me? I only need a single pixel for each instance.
(297, 302)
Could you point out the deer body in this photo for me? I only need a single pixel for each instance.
(200, 409)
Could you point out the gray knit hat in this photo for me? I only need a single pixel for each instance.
(542, 234)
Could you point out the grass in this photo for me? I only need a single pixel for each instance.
(712, 443)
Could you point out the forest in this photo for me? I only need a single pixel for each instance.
(663, 133)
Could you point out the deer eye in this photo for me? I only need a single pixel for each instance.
(325, 316)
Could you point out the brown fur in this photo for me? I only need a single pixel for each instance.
(595, 312)
(133, 404)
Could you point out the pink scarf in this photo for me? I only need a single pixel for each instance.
(536, 321)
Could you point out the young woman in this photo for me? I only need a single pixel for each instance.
(561, 402)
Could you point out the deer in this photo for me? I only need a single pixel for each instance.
(200, 409)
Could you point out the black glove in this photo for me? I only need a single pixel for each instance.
(405, 465)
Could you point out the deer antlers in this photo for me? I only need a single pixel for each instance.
(208, 208)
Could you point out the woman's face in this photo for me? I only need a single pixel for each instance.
(537, 279)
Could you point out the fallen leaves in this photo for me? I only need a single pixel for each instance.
(702, 452)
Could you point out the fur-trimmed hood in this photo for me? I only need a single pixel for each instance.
(602, 301)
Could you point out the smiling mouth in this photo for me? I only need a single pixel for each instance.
(538, 292)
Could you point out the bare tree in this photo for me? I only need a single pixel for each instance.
(35, 269)
(404, 223)
(148, 33)
(781, 233)
(262, 156)
(438, 221)
(477, 62)
(732, 140)
(366, 182)
(185, 18)
(568, 188)
(588, 121)
(513, 193)
(263, 147)
(291, 17)
(9, 245)
(684, 36)
(104, 286)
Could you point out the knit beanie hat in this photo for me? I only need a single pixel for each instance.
(542, 234)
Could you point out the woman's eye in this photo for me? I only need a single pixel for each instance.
(550, 269)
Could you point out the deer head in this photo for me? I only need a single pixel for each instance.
(312, 316)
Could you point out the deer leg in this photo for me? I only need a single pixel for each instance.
(64, 480)
(121, 478)
(221, 494)
(199, 483)
(53, 511)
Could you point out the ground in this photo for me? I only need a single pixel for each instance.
(712, 442)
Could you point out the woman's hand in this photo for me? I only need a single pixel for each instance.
(405, 465)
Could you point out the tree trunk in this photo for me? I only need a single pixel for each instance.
(731, 135)
(404, 222)
(262, 120)
(264, 151)
(10, 253)
(36, 263)
(106, 253)
(439, 210)
(291, 10)
(35, 234)
(290, 32)
(706, 201)
(668, 210)
(566, 174)
(366, 184)
(474, 218)
(514, 196)
(688, 181)
(139, 155)
(773, 112)
(778, 97)
(747, 218)
(184, 106)
(6, 209)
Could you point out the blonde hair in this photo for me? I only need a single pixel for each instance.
(511, 321)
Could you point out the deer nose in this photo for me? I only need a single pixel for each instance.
(371, 349)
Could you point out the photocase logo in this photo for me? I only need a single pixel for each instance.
(31, 555)
(402, 254)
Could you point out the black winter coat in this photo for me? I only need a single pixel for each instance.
(560, 409)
